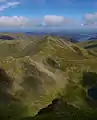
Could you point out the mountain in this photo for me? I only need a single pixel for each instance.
(37, 72)
(74, 35)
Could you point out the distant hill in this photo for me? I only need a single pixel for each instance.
(90, 45)
(6, 37)
(58, 34)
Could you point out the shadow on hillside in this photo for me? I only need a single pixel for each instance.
(5, 85)
(93, 53)
(5, 80)
(10, 107)
(79, 52)
(32, 80)
(90, 81)
(36, 81)
(90, 46)
(6, 37)
(53, 63)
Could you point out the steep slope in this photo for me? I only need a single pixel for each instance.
(90, 45)
(31, 82)
(74, 103)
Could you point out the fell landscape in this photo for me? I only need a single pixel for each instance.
(48, 60)
(46, 78)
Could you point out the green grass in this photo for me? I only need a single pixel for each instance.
(91, 46)
(35, 82)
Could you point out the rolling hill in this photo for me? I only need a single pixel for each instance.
(36, 71)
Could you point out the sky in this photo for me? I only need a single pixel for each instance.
(48, 14)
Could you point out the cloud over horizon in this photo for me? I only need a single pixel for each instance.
(91, 19)
(47, 21)
(25, 22)
(15, 21)
(48, 14)
(54, 20)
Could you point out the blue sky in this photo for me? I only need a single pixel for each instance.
(48, 14)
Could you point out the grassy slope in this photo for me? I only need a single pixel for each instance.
(90, 45)
(35, 82)
(28, 76)
(79, 68)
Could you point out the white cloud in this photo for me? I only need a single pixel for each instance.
(15, 21)
(13, 3)
(50, 21)
(8, 5)
(90, 19)
(91, 16)
(54, 20)
(60, 21)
